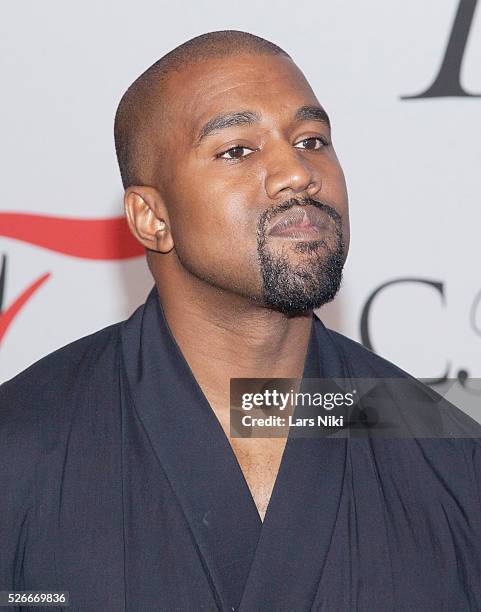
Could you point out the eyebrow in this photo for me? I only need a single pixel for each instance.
(312, 113)
(227, 120)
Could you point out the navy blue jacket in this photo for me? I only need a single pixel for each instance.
(118, 484)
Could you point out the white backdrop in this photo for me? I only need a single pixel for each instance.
(412, 166)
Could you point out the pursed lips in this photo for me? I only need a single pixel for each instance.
(299, 222)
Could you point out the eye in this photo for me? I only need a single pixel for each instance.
(236, 152)
(312, 144)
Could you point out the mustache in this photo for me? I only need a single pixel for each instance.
(268, 214)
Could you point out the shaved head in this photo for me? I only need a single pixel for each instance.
(137, 135)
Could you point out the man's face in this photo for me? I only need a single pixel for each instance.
(256, 197)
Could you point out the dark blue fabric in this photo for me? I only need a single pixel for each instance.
(118, 484)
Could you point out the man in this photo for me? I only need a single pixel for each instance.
(120, 481)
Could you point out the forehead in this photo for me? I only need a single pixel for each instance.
(270, 84)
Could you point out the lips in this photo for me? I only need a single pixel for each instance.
(299, 222)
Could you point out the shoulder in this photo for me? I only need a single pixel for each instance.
(44, 411)
(61, 366)
(41, 401)
(364, 361)
(39, 406)
(421, 409)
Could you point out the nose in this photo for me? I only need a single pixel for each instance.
(288, 173)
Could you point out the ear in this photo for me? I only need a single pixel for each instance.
(148, 219)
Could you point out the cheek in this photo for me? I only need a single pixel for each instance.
(214, 218)
(334, 191)
(335, 183)
(343, 207)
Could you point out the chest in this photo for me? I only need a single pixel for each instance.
(259, 460)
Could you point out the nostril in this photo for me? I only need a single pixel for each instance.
(314, 187)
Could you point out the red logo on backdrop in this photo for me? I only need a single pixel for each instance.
(101, 239)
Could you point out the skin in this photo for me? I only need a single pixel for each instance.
(198, 216)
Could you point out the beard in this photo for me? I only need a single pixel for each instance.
(295, 289)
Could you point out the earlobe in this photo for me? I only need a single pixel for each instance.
(148, 219)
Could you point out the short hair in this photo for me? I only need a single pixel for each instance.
(134, 111)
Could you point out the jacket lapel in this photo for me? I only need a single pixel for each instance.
(193, 450)
(302, 512)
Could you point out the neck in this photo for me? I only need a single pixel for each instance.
(223, 335)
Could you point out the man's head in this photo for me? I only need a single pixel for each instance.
(230, 173)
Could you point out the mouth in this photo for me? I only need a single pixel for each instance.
(300, 223)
